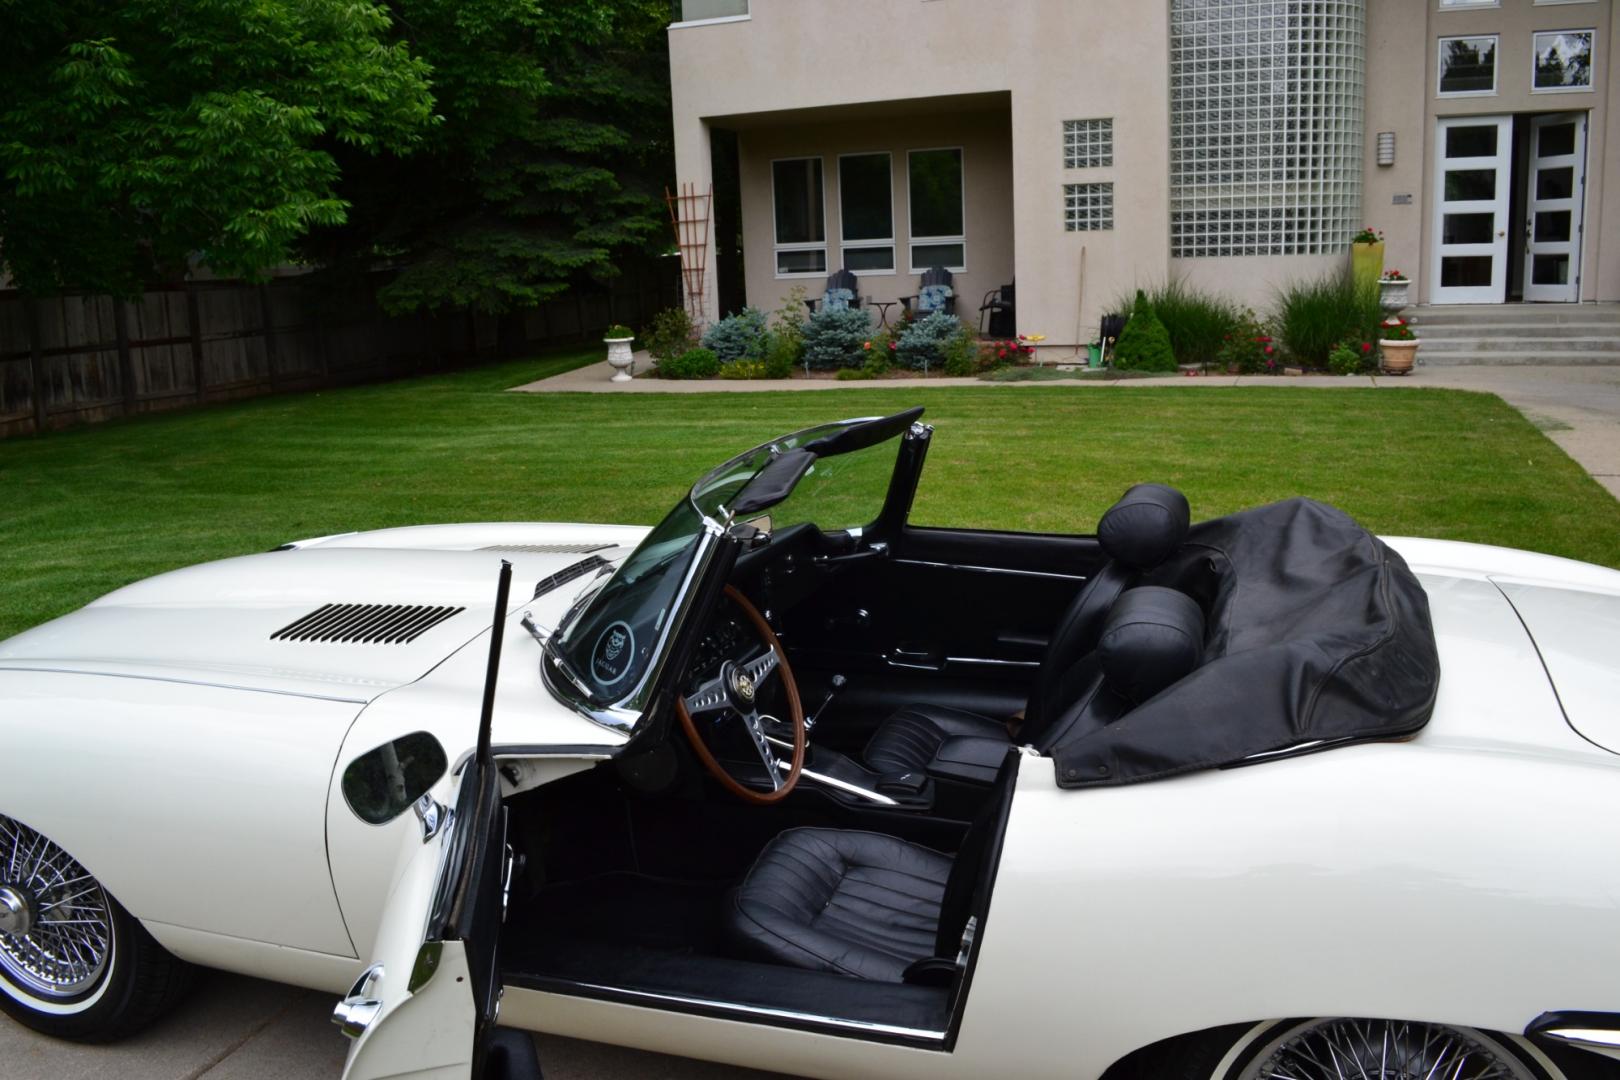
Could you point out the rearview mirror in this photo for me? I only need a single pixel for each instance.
(382, 784)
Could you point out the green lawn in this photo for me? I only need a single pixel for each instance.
(84, 511)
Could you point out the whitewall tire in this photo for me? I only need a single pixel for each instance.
(73, 963)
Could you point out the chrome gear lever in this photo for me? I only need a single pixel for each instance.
(838, 684)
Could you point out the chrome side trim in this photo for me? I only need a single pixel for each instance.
(988, 662)
(865, 1027)
(831, 781)
(380, 688)
(971, 568)
(1587, 1038)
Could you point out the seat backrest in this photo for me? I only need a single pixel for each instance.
(936, 275)
(1153, 638)
(845, 279)
(1137, 533)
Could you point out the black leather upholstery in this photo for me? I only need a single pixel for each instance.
(1154, 637)
(1146, 526)
(857, 903)
(908, 740)
(1137, 533)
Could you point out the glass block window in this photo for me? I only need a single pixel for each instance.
(1266, 118)
(1088, 144)
(1088, 207)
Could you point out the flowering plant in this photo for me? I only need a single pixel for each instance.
(1395, 329)
(1367, 235)
(1393, 275)
(1249, 348)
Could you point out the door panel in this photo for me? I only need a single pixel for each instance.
(1472, 178)
(952, 616)
(1553, 209)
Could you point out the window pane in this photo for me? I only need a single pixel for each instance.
(873, 258)
(1552, 226)
(1461, 271)
(1556, 139)
(1550, 270)
(1466, 185)
(1467, 65)
(1555, 183)
(863, 196)
(813, 261)
(1563, 60)
(1468, 229)
(928, 256)
(799, 218)
(1471, 141)
(936, 193)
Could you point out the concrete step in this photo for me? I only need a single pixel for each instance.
(1515, 330)
(1435, 343)
(1515, 314)
(1546, 358)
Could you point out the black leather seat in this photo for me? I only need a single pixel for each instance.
(1137, 533)
(855, 903)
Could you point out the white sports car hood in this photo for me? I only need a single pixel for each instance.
(344, 618)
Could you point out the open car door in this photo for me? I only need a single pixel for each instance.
(426, 1006)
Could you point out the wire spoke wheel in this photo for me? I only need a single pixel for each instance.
(1350, 1049)
(56, 926)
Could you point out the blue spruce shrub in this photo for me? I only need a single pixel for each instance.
(834, 337)
(737, 337)
(925, 344)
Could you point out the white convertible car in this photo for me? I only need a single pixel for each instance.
(789, 782)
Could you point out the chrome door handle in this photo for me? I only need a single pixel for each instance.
(355, 1013)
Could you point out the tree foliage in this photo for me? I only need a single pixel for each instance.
(137, 135)
(550, 163)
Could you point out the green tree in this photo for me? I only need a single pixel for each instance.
(1144, 344)
(549, 166)
(137, 135)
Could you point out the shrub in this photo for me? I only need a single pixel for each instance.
(737, 336)
(743, 369)
(1196, 321)
(781, 354)
(852, 374)
(669, 334)
(618, 330)
(1313, 316)
(833, 338)
(961, 356)
(1144, 344)
(691, 364)
(922, 344)
(1249, 348)
(1344, 359)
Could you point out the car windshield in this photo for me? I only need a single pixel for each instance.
(610, 645)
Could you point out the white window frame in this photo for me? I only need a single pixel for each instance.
(1464, 5)
(1587, 89)
(845, 244)
(813, 245)
(913, 240)
(718, 19)
(1496, 66)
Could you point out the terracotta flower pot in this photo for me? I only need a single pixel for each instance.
(1399, 356)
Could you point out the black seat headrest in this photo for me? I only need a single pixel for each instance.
(1146, 526)
(1154, 637)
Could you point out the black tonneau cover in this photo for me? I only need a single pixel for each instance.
(1319, 633)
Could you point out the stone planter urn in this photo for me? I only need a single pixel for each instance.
(1399, 356)
(1392, 293)
(619, 354)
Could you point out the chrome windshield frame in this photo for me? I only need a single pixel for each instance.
(625, 713)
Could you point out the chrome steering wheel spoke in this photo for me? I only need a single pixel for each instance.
(760, 667)
(767, 756)
(712, 696)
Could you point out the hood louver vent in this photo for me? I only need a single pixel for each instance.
(569, 573)
(366, 624)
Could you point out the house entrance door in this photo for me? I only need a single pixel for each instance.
(1553, 206)
(1473, 175)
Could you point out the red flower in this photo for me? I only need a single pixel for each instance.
(1262, 340)
(1001, 353)
(893, 346)
(1366, 346)
(866, 345)
(1268, 350)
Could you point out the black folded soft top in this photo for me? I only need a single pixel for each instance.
(1318, 635)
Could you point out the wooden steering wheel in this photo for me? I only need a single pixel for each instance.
(736, 689)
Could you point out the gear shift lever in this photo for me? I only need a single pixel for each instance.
(838, 684)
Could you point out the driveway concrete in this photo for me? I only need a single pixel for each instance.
(233, 1028)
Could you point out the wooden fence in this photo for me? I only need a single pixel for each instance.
(69, 360)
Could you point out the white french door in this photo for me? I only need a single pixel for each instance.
(1553, 204)
(1473, 172)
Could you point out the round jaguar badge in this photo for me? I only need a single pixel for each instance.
(744, 686)
(615, 649)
